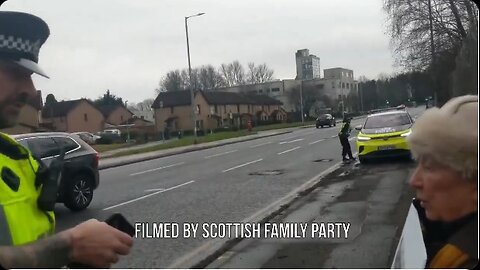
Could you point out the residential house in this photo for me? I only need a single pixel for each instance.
(214, 109)
(73, 116)
(115, 115)
(29, 117)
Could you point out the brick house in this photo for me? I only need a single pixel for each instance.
(214, 110)
(115, 114)
(73, 116)
(29, 117)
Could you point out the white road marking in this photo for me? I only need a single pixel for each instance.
(260, 144)
(242, 165)
(321, 140)
(289, 150)
(297, 140)
(334, 136)
(154, 189)
(148, 195)
(156, 169)
(221, 154)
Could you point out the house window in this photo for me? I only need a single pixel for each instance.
(238, 108)
(216, 109)
(171, 110)
(320, 86)
(343, 85)
(260, 91)
(275, 89)
(333, 84)
(85, 117)
(348, 86)
(225, 108)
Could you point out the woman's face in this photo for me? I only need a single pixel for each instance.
(444, 193)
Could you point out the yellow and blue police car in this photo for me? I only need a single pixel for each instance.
(384, 134)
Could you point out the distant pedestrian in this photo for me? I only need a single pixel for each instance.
(343, 136)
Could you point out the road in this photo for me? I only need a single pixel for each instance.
(223, 184)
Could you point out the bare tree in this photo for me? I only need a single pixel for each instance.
(145, 105)
(209, 78)
(409, 29)
(233, 73)
(259, 74)
(438, 36)
(173, 81)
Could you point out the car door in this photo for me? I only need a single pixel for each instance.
(44, 148)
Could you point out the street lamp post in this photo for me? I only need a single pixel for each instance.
(194, 118)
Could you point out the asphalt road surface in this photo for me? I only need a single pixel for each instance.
(231, 183)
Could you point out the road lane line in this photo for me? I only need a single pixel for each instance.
(154, 189)
(221, 154)
(289, 150)
(297, 140)
(156, 169)
(148, 195)
(334, 136)
(262, 144)
(242, 165)
(321, 140)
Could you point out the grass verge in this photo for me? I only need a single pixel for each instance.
(185, 141)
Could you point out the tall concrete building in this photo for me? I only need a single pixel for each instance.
(308, 65)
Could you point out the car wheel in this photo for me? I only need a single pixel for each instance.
(334, 124)
(79, 193)
(317, 126)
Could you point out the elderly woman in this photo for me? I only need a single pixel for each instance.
(444, 141)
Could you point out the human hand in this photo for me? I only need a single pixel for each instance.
(97, 244)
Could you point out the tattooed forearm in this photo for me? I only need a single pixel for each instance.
(51, 252)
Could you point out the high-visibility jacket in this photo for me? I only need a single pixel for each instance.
(21, 220)
(345, 129)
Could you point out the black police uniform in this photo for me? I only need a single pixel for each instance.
(343, 136)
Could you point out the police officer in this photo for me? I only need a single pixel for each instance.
(27, 238)
(343, 136)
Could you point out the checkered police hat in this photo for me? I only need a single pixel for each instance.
(21, 36)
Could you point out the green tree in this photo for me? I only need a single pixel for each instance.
(108, 99)
(50, 100)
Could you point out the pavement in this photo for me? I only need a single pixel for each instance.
(372, 200)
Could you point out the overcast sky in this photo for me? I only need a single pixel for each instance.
(127, 46)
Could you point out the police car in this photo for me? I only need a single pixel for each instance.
(383, 134)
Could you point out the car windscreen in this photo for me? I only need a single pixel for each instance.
(387, 120)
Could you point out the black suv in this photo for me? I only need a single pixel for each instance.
(80, 173)
(325, 120)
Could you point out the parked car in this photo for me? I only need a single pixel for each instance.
(88, 137)
(80, 175)
(384, 134)
(110, 136)
(325, 120)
